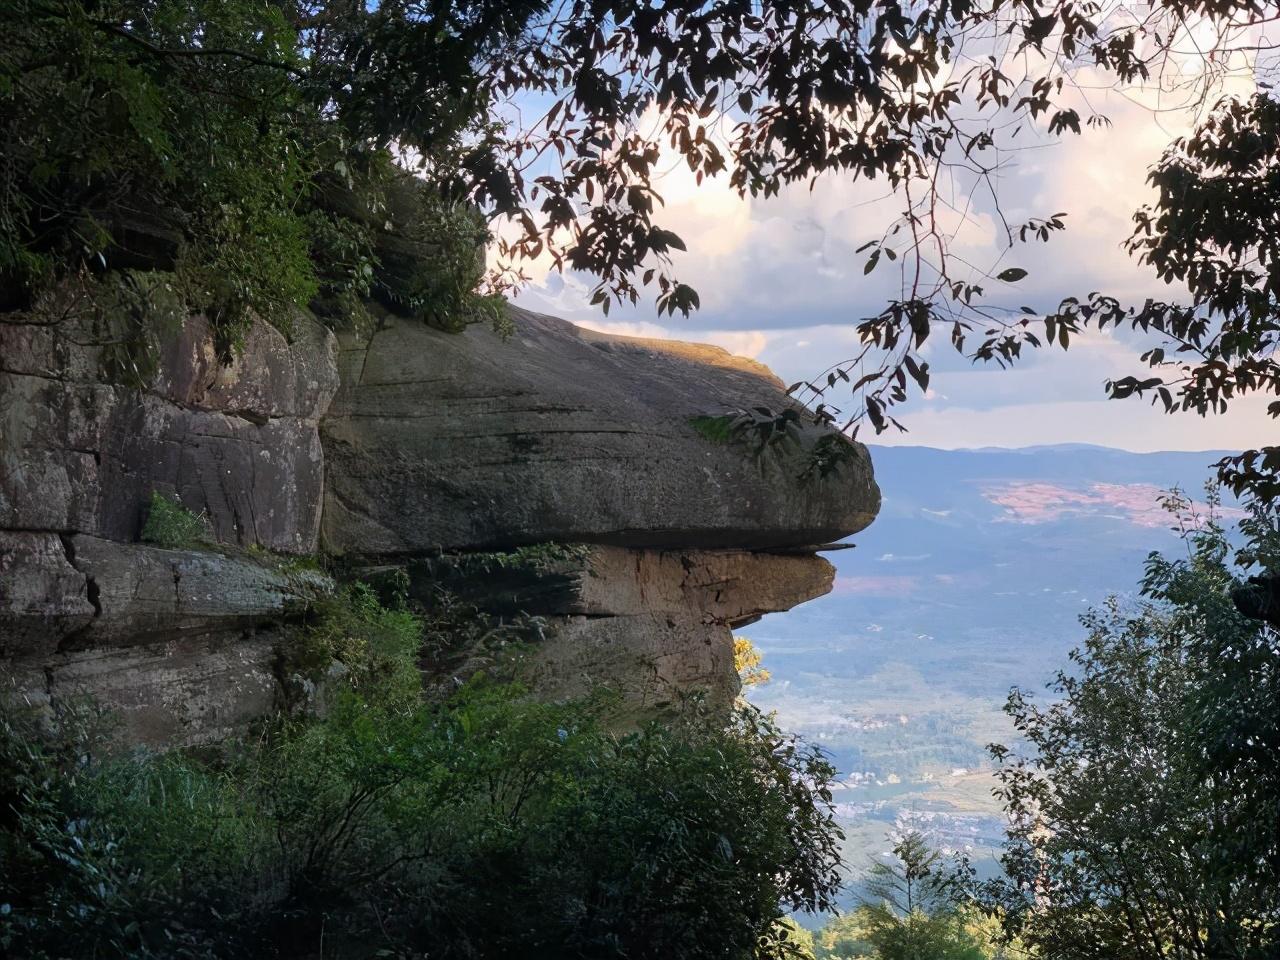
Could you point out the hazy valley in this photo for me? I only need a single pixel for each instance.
(969, 582)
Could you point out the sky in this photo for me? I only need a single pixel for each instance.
(780, 282)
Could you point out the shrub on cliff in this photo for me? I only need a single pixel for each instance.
(171, 525)
(376, 646)
(489, 826)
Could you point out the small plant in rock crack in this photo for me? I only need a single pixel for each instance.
(770, 435)
(759, 429)
(539, 557)
(460, 639)
(171, 525)
(826, 457)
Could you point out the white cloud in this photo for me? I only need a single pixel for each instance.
(1129, 424)
(780, 281)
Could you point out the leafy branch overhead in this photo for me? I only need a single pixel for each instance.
(931, 100)
(264, 151)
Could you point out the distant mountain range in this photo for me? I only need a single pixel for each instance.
(970, 581)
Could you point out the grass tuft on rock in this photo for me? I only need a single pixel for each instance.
(171, 525)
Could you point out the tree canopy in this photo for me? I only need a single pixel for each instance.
(1144, 806)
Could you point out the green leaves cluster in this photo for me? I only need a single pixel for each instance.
(912, 910)
(1145, 806)
(488, 826)
(774, 437)
(874, 91)
(171, 525)
(374, 647)
(118, 154)
(215, 139)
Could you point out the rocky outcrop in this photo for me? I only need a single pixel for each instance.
(470, 441)
(410, 448)
(651, 624)
(447, 442)
(177, 642)
(238, 443)
(43, 597)
(199, 690)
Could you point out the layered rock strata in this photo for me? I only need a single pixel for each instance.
(178, 644)
(238, 444)
(650, 624)
(408, 448)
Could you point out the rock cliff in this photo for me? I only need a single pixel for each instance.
(408, 448)
(470, 441)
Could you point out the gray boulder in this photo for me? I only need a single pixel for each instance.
(466, 441)
(179, 645)
(435, 448)
(43, 597)
(142, 593)
(166, 694)
(70, 592)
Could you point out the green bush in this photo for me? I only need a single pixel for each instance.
(377, 646)
(201, 139)
(171, 525)
(487, 826)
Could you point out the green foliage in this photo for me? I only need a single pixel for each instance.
(844, 938)
(206, 137)
(789, 939)
(717, 429)
(171, 525)
(388, 829)
(376, 646)
(539, 557)
(115, 155)
(133, 310)
(759, 429)
(436, 262)
(776, 437)
(1207, 233)
(1145, 809)
(828, 454)
(461, 640)
(912, 911)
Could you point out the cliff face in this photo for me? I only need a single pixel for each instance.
(557, 433)
(405, 448)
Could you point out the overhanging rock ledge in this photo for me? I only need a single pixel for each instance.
(404, 448)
